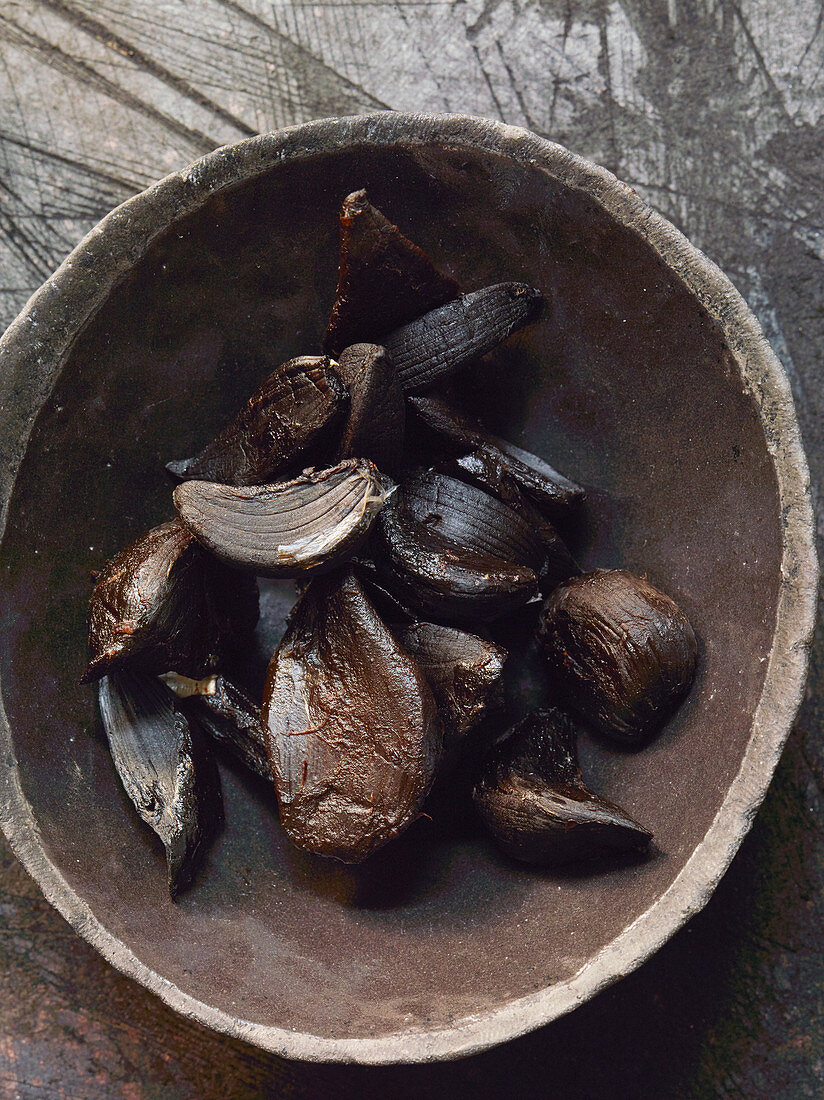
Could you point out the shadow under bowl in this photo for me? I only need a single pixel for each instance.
(648, 380)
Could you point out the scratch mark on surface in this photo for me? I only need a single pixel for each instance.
(484, 18)
(270, 29)
(430, 71)
(513, 83)
(488, 82)
(61, 158)
(759, 59)
(114, 41)
(605, 65)
(58, 59)
(819, 23)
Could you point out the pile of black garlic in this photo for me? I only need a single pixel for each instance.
(410, 530)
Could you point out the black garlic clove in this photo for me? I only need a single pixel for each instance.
(436, 345)
(464, 672)
(441, 580)
(287, 529)
(286, 417)
(167, 772)
(376, 421)
(353, 729)
(499, 466)
(228, 714)
(532, 798)
(161, 604)
(466, 516)
(622, 653)
(384, 280)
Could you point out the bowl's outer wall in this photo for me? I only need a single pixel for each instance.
(628, 385)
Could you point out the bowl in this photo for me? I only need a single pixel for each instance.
(649, 381)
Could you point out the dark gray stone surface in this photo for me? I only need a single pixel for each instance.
(713, 111)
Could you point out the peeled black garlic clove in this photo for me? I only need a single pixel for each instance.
(169, 775)
(622, 653)
(353, 729)
(286, 529)
(161, 604)
(463, 670)
(532, 798)
(436, 345)
(441, 580)
(228, 715)
(384, 279)
(504, 469)
(376, 421)
(281, 421)
(466, 516)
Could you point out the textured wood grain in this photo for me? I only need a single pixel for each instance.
(712, 109)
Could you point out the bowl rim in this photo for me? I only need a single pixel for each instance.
(33, 351)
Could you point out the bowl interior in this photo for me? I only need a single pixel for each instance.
(626, 385)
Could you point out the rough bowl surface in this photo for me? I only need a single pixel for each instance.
(649, 381)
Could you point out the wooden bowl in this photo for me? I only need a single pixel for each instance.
(649, 381)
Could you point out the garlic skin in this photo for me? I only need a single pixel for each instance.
(165, 767)
(434, 346)
(286, 529)
(507, 471)
(622, 654)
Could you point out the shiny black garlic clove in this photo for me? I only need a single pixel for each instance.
(532, 798)
(353, 729)
(621, 652)
(466, 516)
(162, 604)
(463, 670)
(376, 421)
(285, 418)
(440, 579)
(384, 280)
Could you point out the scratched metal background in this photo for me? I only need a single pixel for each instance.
(711, 109)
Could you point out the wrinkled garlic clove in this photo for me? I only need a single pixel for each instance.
(286, 529)
(463, 670)
(353, 730)
(287, 415)
(384, 280)
(167, 772)
(533, 800)
(161, 604)
(440, 342)
(622, 653)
